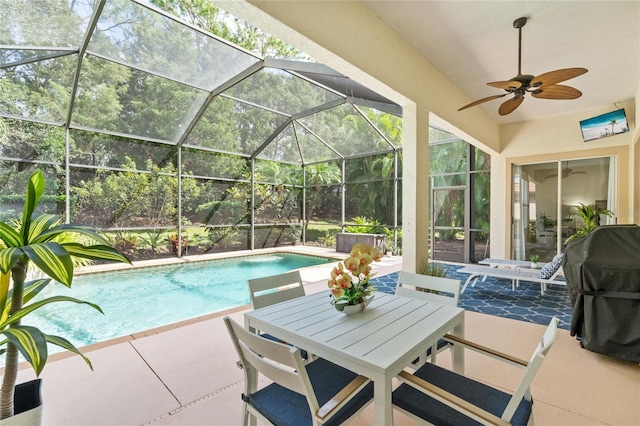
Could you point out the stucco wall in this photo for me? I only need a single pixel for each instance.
(559, 138)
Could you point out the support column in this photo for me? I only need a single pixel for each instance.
(415, 187)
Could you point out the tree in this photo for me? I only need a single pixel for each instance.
(205, 15)
(317, 176)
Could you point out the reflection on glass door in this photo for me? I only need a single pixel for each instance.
(545, 196)
(448, 227)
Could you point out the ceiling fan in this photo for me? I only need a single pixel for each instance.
(566, 172)
(543, 86)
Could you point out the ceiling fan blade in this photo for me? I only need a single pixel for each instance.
(510, 85)
(556, 91)
(509, 106)
(479, 101)
(557, 76)
(565, 174)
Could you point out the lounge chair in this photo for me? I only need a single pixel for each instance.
(508, 263)
(514, 274)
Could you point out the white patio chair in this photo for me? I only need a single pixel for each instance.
(316, 393)
(273, 289)
(439, 396)
(445, 291)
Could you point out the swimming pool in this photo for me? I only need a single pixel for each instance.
(135, 300)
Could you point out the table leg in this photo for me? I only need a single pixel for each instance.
(383, 409)
(458, 350)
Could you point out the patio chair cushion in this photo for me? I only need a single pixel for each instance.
(433, 411)
(550, 268)
(285, 407)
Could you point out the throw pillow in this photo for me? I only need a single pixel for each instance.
(550, 268)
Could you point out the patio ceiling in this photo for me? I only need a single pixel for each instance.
(474, 42)
(127, 69)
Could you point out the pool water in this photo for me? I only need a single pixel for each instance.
(144, 298)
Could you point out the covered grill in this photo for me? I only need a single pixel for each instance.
(603, 279)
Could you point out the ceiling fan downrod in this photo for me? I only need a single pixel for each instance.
(519, 23)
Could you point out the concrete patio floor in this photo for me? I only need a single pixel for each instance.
(186, 374)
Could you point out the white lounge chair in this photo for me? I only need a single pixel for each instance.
(514, 274)
(509, 263)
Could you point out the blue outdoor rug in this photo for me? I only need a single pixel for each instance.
(495, 297)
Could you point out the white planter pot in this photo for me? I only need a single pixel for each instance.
(354, 309)
(28, 406)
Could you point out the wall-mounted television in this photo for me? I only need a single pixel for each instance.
(602, 126)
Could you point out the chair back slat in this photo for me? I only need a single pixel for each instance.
(445, 291)
(276, 288)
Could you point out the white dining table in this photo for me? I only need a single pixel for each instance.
(377, 343)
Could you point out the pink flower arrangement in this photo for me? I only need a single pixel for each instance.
(349, 281)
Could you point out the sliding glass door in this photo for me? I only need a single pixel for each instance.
(545, 196)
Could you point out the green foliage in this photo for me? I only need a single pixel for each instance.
(51, 246)
(532, 234)
(320, 176)
(449, 158)
(364, 225)
(154, 239)
(227, 237)
(222, 212)
(117, 182)
(370, 187)
(591, 219)
(132, 197)
(534, 258)
(545, 222)
(204, 14)
(324, 234)
(131, 183)
(329, 240)
(434, 269)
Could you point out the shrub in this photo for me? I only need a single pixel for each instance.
(434, 269)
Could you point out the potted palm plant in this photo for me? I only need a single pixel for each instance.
(52, 246)
(590, 217)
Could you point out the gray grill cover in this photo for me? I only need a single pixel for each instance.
(603, 279)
